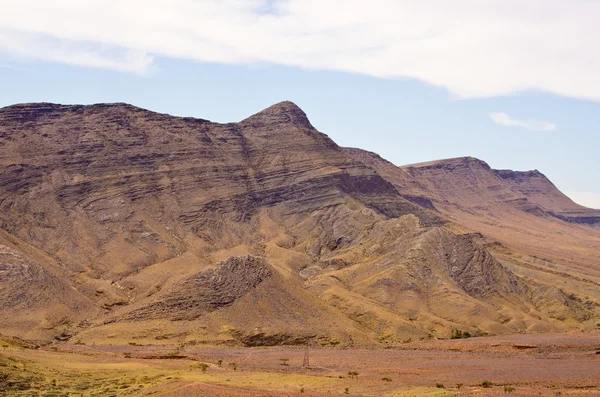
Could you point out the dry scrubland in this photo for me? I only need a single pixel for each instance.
(522, 365)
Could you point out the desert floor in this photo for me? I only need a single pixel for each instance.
(518, 365)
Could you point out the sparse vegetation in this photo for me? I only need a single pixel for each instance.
(458, 334)
(486, 384)
(202, 366)
(174, 353)
(85, 375)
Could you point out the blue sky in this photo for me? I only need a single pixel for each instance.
(538, 110)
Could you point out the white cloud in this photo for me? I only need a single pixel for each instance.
(472, 47)
(532, 125)
(587, 199)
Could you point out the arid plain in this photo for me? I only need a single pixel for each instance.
(520, 365)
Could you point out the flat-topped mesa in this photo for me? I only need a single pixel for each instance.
(540, 190)
(44, 112)
(465, 182)
(42, 108)
(451, 163)
(468, 182)
(282, 113)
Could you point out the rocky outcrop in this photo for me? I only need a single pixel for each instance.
(208, 290)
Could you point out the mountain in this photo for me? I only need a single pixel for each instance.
(119, 224)
(521, 217)
(540, 191)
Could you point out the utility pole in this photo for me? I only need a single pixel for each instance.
(306, 363)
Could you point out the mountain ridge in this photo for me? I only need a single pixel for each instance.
(138, 211)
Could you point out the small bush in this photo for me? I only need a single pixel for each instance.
(439, 386)
(458, 334)
(202, 366)
(486, 384)
(509, 389)
(459, 386)
(127, 355)
(346, 390)
(386, 379)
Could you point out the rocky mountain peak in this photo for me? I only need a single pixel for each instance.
(282, 113)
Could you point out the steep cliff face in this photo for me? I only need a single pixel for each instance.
(257, 232)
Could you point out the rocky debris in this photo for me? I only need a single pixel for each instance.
(276, 339)
(208, 290)
(473, 269)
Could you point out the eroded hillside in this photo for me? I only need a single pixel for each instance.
(167, 229)
(521, 217)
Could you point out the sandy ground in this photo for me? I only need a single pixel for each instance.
(518, 365)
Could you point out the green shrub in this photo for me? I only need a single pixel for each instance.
(458, 334)
(202, 366)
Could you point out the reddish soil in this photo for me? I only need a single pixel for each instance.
(547, 365)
